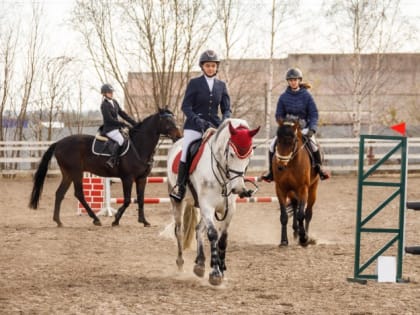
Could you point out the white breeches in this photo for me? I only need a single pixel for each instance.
(189, 136)
(116, 136)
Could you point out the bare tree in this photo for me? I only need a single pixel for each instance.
(99, 23)
(234, 24)
(160, 37)
(54, 89)
(373, 28)
(281, 11)
(73, 108)
(8, 38)
(32, 68)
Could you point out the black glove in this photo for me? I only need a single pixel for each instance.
(310, 133)
(202, 124)
(226, 116)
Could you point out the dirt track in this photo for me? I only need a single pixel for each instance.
(84, 269)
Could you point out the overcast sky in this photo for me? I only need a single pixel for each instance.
(58, 11)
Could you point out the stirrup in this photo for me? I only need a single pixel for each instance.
(176, 195)
(110, 163)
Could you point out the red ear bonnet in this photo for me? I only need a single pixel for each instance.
(241, 140)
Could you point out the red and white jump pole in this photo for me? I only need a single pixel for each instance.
(103, 190)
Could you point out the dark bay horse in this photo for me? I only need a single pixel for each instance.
(74, 156)
(295, 179)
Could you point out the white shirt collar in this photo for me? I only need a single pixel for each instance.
(210, 82)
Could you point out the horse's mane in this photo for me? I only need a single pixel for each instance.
(138, 127)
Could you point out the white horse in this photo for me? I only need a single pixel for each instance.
(213, 187)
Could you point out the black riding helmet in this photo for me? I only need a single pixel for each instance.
(294, 73)
(107, 88)
(209, 56)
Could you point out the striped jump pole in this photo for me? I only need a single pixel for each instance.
(106, 209)
(167, 200)
(157, 180)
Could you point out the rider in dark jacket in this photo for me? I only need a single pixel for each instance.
(203, 98)
(298, 102)
(111, 128)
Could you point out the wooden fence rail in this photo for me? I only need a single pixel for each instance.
(340, 155)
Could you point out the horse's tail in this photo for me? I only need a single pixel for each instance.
(190, 220)
(40, 175)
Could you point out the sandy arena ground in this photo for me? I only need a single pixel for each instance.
(85, 269)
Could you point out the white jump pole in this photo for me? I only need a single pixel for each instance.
(107, 210)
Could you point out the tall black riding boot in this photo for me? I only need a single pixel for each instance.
(181, 182)
(114, 148)
(318, 166)
(268, 177)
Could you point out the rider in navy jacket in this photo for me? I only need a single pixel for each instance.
(201, 106)
(203, 98)
(111, 127)
(298, 102)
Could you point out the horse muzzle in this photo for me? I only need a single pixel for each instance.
(175, 134)
(283, 160)
(247, 193)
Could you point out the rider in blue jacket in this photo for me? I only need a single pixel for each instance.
(296, 101)
(204, 96)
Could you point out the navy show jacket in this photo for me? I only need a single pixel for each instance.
(201, 103)
(110, 115)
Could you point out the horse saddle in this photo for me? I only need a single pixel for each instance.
(195, 151)
(101, 146)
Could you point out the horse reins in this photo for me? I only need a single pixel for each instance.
(224, 176)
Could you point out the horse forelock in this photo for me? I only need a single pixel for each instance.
(241, 142)
(286, 130)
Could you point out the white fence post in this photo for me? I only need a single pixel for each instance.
(107, 210)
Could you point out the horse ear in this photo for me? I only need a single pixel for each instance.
(255, 131)
(231, 129)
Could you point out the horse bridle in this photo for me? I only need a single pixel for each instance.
(287, 158)
(223, 177)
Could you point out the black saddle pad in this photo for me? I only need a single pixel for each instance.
(100, 147)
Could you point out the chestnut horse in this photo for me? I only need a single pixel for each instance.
(295, 180)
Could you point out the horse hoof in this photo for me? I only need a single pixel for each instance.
(310, 241)
(145, 223)
(284, 244)
(97, 223)
(115, 223)
(180, 264)
(215, 279)
(304, 242)
(199, 270)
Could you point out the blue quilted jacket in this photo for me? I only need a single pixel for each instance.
(300, 104)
